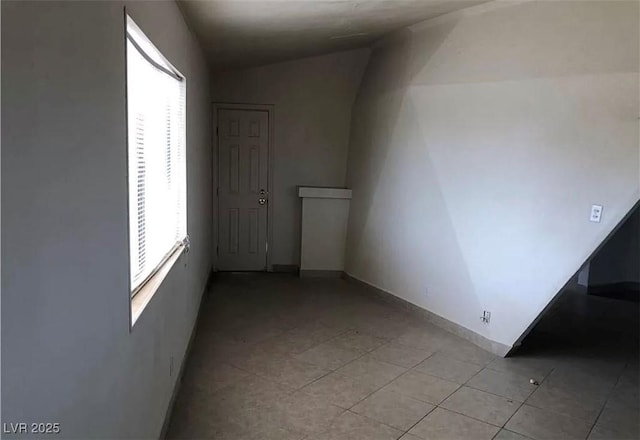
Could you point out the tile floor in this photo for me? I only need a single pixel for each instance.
(278, 357)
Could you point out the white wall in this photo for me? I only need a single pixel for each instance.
(324, 234)
(479, 142)
(313, 98)
(67, 353)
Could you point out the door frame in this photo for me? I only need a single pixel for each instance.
(270, 109)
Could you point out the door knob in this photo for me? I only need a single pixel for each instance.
(262, 200)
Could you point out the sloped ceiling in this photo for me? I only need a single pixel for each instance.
(242, 33)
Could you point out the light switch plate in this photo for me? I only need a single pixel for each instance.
(596, 213)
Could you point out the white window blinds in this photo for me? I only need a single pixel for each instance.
(156, 150)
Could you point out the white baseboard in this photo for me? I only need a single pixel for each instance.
(483, 342)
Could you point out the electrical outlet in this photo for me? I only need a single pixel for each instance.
(596, 213)
(486, 316)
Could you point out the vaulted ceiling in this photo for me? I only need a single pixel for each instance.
(240, 33)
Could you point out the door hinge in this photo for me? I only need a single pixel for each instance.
(216, 131)
(218, 191)
(217, 250)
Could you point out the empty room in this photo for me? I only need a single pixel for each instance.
(320, 219)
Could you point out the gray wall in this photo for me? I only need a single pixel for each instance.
(313, 98)
(479, 142)
(619, 259)
(67, 353)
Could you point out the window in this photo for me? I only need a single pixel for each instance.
(156, 152)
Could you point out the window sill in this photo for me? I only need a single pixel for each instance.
(145, 293)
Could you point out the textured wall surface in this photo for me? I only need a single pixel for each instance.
(479, 141)
(312, 98)
(67, 353)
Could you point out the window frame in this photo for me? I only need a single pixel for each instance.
(141, 295)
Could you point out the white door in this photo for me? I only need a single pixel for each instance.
(243, 154)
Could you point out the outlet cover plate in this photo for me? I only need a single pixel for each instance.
(596, 213)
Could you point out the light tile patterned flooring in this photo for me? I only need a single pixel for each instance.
(278, 357)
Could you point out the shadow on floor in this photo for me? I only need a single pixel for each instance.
(279, 357)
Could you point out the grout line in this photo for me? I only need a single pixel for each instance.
(379, 388)
(290, 355)
(335, 370)
(525, 400)
(421, 419)
(511, 416)
(470, 417)
(606, 400)
(434, 406)
(377, 421)
(514, 432)
(494, 394)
